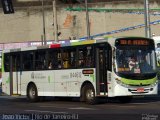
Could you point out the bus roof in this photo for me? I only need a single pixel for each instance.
(110, 40)
(57, 45)
(156, 40)
(156, 37)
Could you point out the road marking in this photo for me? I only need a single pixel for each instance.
(127, 106)
(54, 107)
(82, 108)
(142, 103)
(45, 111)
(11, 97)
(138, 103)
(7, 97)
(73, 108)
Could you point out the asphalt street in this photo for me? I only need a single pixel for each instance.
(18, 108)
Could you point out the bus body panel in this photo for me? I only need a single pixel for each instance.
(25, 79)
(6, 83)
(69, 83)
(111, 84)
(124, 91)
(42, 80)
(52, 83)
(121, 89)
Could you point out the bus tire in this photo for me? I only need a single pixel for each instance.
(125, 99)
(88, 93)
(32, 94)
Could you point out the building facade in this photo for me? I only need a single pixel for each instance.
(123, 18)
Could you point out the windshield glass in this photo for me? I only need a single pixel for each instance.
(135, 60)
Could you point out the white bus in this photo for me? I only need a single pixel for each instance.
(86, 69)
(157, 48)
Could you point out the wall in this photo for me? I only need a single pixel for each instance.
(26, 24)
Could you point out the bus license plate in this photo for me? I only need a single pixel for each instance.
(140, 89)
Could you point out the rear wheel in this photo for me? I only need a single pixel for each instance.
(32, 94)
(88, 93)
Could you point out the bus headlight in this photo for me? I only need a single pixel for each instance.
(154, 84)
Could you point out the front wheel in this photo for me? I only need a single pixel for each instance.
(89, 94)
(32, 94)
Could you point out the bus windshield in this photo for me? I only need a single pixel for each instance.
(135, 61)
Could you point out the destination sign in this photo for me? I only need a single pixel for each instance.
(133, 42)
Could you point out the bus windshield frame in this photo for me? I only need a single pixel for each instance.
(135, 61)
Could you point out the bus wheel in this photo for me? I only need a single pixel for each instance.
(32, 93)
(125, 99)
(89, 94)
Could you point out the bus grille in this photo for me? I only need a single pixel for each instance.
(134, 90)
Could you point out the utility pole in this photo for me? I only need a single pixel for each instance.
(7, 6)
(55, 21)
(147, 19)
(44, 28)
(87, 20)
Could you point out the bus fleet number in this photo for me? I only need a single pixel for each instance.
(75, 75)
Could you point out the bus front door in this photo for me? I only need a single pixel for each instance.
(101, 68)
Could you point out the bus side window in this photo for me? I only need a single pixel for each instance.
(50, 65)
(89, 57)
(16, 62)
(72, 58)
(28, 63)
(81, 57)
(85, 57)
(69, 57)
(53, 57)
(59, 56)
(158, 45)
(65, 59)
(40, 60)
(6, 63)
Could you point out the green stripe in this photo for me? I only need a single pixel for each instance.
(49, 79)
(76, 43)
(8, 80)
(2, 62)
(139, 82)
(92, 77)
(109, 9)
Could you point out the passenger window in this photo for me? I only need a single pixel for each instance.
(6, 63)
(28, 63)
(54, 59)
(85, 56)
(81, 58)
(15, 62)
(89, 57)
(40, 60)
(68, 58)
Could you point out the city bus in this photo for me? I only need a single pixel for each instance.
(157, 48)
(87, 69)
